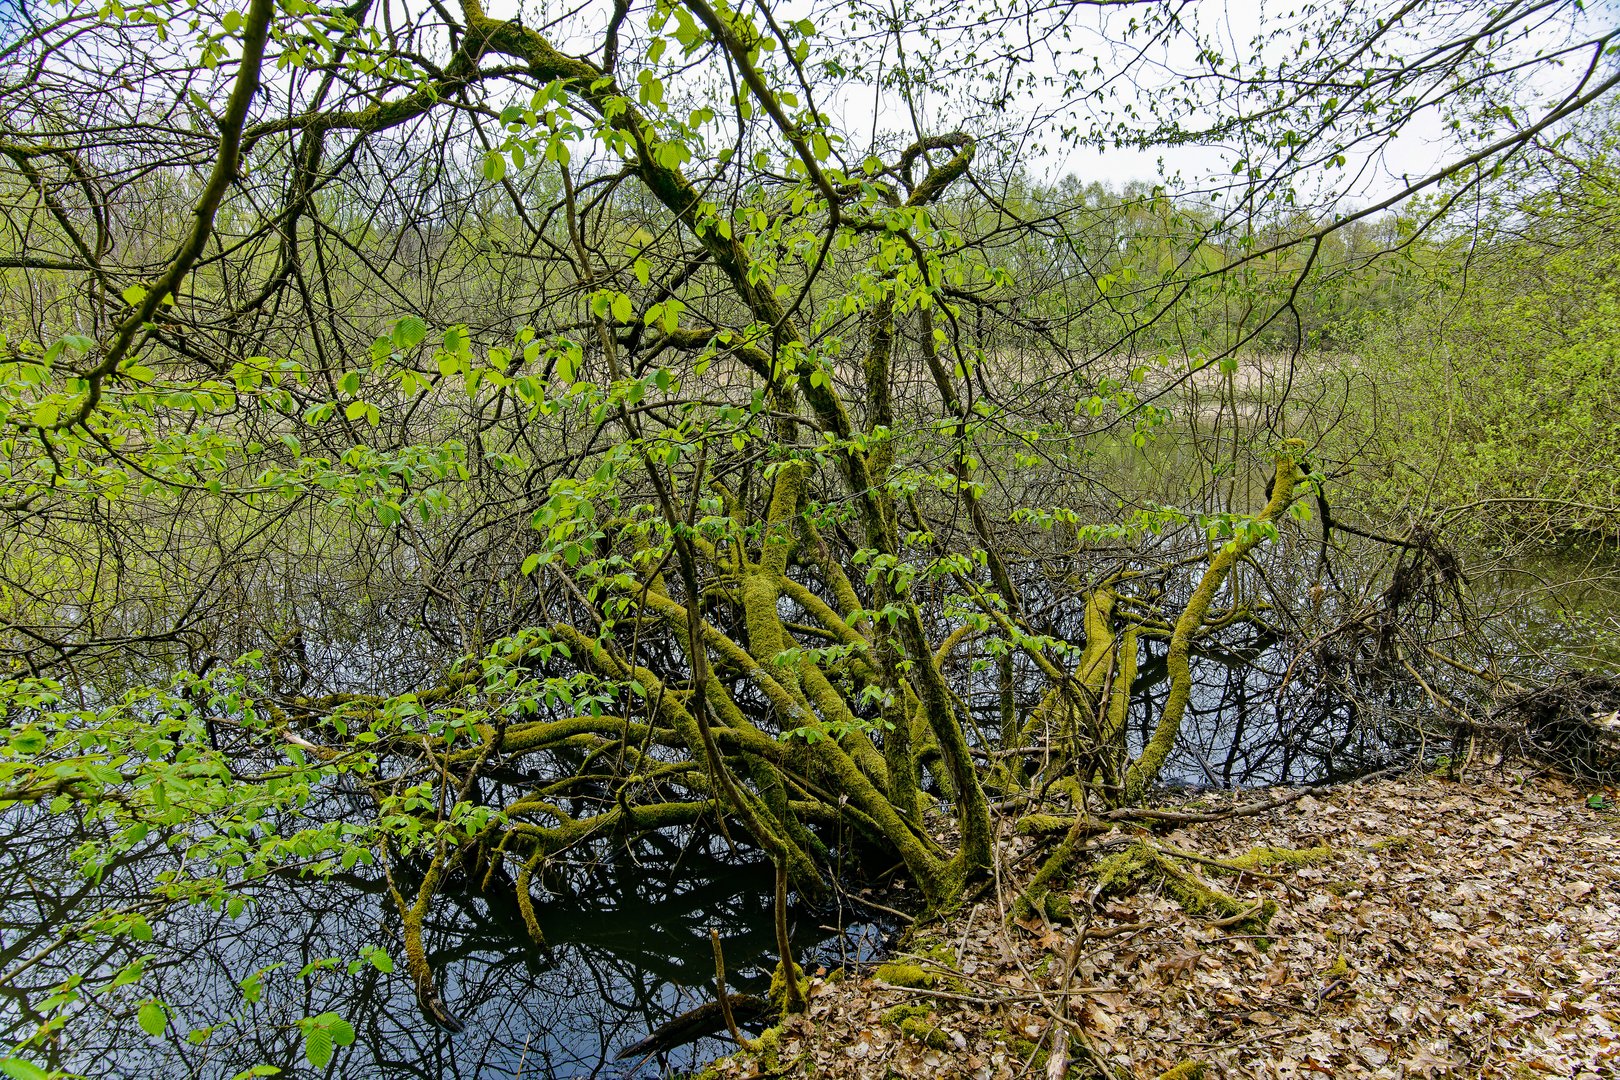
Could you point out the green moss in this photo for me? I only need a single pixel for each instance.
(764, 1051)
(778, 991)
(1035, 1054)
(1073, 788)
(1019, 1045)
(940, 952)
(899, 1014)
(1043, 824)
(1057, 907)
(767, 1048)
(1392, 843)
(897, 974)
(1341, 966)
(1124, 871)
(1187, 1070)
(924, 1032)
(935, 954)
(1262, 857)
(1141, 864)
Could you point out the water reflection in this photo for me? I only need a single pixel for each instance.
(1256, 718)
(628, 927)
(629, 952)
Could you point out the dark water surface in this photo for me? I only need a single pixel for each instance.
(630, 950)
(627, 933)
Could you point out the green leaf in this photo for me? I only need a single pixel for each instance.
(129, 973)
(408, 333)
(29, 741)
(317, 1045)
(152, 1018)
(530, 564)
(672, 155)
(622, 309)
(494, 170)
(321, 1034)
(18, 1069)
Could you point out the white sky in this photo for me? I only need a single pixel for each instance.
(1234, 23)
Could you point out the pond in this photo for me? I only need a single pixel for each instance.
(628, 929)
(627, 951)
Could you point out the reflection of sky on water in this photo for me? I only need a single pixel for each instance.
(611, 974)
(629, 944)
(1255, 716)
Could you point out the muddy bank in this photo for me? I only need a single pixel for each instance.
(1410, 926)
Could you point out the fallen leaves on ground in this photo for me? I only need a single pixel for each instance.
(1464, 929)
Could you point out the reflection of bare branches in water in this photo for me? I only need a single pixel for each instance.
(1265, 707)
(629, 953)
(1294, 694)
(1382, 649)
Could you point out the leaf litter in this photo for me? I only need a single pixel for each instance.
(1454, 929)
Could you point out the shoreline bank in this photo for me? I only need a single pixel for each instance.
(1404, 927)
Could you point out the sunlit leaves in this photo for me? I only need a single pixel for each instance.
(152, 1017)
(666, 314)
(322, 1035)
(376, 956)
(408, 333)
(494, 166)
